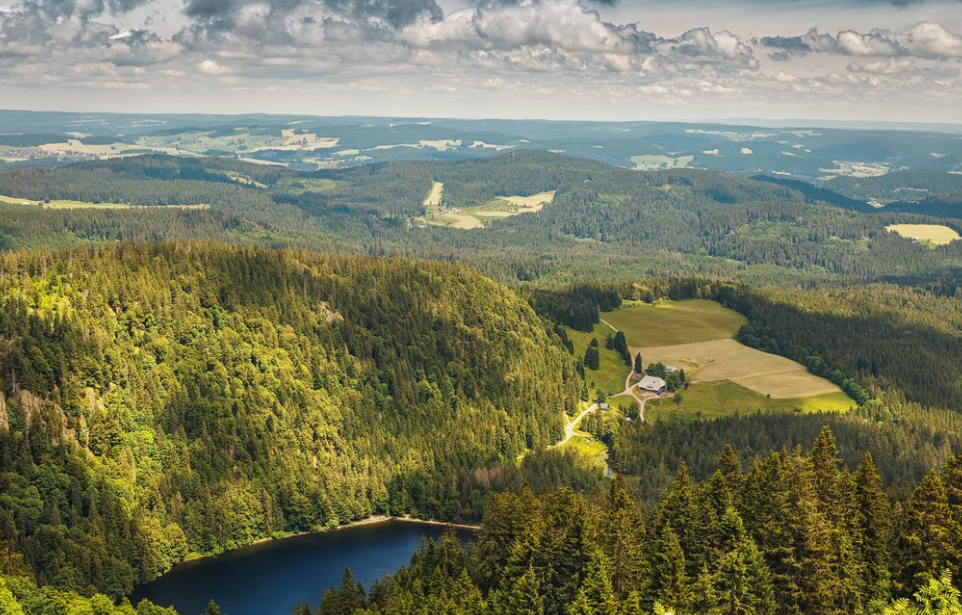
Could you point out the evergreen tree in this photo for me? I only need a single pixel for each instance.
(519, 595)
(592, 360)
(344, 600)
(873, 523)
(596, 595)
(926, 535)
(670, 582)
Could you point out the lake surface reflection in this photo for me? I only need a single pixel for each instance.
(269, 578)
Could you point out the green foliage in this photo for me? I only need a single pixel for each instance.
(787, 536)
(174, 399)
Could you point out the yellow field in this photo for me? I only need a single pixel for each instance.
(753, 369)
(441, 144)
(460, 221)
(476, 216)
(696, 336)
(15, 201)
(65, 204)
(655, 162)
(535, 201)
(935, 234)
(435, 197)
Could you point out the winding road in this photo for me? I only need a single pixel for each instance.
(572, 424)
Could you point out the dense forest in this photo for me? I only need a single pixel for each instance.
(794, 533)
(163, 400)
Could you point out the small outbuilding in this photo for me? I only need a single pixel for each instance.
(603, 406)
(652, 384)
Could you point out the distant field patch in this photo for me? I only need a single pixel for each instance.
(709, 400)
(15, 201)
(434, 198)
(674, 322)
(461, 221)
(935, 234)
(726, 359)
(656, 162)
(493, 146)
(440, 144)
(534, 202)
(67, 204)
(476, 216)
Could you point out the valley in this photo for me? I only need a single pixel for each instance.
(454, 337)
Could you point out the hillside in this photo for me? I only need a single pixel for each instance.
(602, 222)
(165, 400)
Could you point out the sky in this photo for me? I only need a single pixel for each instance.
(882, 60)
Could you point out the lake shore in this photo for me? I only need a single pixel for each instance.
(371, 520)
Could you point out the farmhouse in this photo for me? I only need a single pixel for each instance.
(652, 384)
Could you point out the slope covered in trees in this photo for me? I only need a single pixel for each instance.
(795, 533)
(604, 222)
(162, 400)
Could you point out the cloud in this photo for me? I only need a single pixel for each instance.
(700, 44)
(924, 40)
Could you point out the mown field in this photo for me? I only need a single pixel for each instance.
(726, 359)
(479, 215)
(696, 336)
(934, 234)
(69, 204)
(674, 322)
(709, 400)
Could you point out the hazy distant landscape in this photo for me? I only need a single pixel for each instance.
(311, 143)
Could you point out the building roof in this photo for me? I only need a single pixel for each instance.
(651, 383)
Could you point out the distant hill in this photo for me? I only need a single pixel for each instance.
(311, 143)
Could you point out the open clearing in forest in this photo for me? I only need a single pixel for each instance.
(65, 204)
(709, 400)
(656, 162)
(674, 322)
(534, 202)
(476, 216)
(935, 234)
(696, 336)
(434, 198)
(726, 359)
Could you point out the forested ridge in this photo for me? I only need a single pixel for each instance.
(163, 400)
(604, 222)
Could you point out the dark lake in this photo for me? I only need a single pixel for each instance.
(269, 578)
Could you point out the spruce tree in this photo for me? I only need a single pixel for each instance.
(596, 595)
